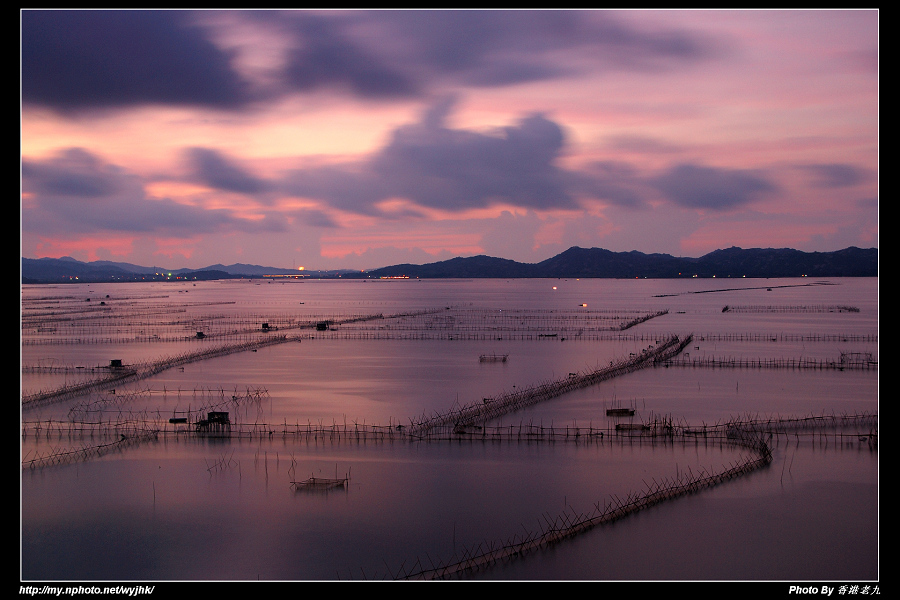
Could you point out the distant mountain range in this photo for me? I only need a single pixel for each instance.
(600, 263)
(574, 262)
(69, 270)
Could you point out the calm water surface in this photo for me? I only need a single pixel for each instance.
(187, 508)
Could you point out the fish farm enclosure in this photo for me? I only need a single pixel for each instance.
(320, 430)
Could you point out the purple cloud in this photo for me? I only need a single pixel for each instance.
(434, 166)
(437, 167)
(327, 57)
(80, 59)
(77, 192)
(215, 170)
(694, 186)
(836, 175)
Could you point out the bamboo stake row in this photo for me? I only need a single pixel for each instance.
(770, 363)
(65, 456)
(568, 525)
(143, 371)
(803, 308)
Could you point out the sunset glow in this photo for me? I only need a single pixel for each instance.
(358, 139)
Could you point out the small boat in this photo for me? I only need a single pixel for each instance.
(320, 483)
(619, 412)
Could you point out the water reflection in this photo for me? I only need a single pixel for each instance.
(215, 508)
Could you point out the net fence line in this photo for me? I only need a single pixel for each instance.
(143, 426)
(753, 435)
(491, 408)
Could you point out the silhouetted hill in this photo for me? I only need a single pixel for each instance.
(458, 268)
(68, 270)
(784, 262)
(44, 270)
(242, 269)
(600, 263)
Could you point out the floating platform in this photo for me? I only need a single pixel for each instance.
(493, 357)
(619, 412)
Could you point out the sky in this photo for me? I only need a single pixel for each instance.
(360, 139)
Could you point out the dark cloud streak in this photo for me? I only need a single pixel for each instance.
(697, 186)
(496, 48)
(836, 175)
(326, 57)
(216, 171)
(75, 60)
(74, 172)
